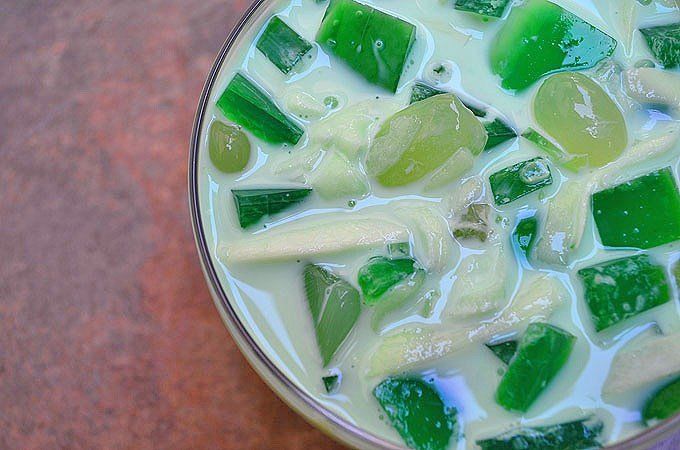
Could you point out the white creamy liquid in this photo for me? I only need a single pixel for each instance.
(269, 297)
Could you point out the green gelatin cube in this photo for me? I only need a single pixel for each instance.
(664, 404)
(539, 38)
(331, 383)
(524, 234)
(228, 147)
(380, 274)
(417, 412)
(421, 137)
(664, 42)
(476, 111)
(373, 43)
(641, 213)
(541, 353)
(249, 106)
(490, 8)
(577, 435)
(623, 288)
(497, 132)
(335, 308)
(504, 351)
(582, 118)
(421, 91)
(282, 45)
(255, 204)
(519, 180)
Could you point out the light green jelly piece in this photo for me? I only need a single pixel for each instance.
(540, 38)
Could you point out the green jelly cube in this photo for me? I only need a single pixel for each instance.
(490, 8)
(421, 91)
(380, 274)
(497, 132)
(641, 213)
(541, 353)
(335, 308)
(665, 403)
(373, 43)
(578, 435)
(619, 289)
(417, 412)
(664, 42)
(331, 383)
(519, 180)
(249, 106)
(255, 204)
(539, 38)
(282, 45)
(504, 351)
(524, 234)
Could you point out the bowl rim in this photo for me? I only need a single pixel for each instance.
(300, 401)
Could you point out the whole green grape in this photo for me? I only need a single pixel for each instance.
(582, 118)
(229, 147)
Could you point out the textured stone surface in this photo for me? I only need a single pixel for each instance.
(108, 337)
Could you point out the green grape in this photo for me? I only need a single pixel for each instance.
(229, 147)
(421, 138)
(581, 117)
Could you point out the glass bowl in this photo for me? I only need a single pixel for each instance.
(300, 401)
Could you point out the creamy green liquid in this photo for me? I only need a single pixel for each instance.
(269, 297)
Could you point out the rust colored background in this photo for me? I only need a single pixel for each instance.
(108, 336)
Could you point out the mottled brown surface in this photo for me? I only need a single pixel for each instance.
(108, 337)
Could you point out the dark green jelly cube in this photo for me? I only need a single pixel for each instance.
(539, 38)
(519, 180)
(664, 42)
(542, 352)
(282, 45)
(378, 275)
(577, 435)
(641, 213)
(490, 8)
(504, 351)
(619, 289)
(246, 104)
(421, 91)
(331, 383)
(665, 403)
(417, 412)
(373, 43)
(524, 234)
(497, 132)
(254, 204)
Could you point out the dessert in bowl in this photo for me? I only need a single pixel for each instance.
(450, 224)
